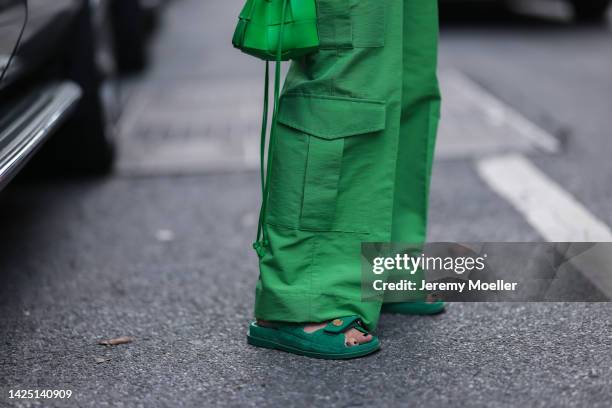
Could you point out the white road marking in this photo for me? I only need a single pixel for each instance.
(553, 212)
(476, 123)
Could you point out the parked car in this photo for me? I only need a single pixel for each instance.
(152, 12)
(58, 66)
(584, 10)
(129, 24)
(590, 10)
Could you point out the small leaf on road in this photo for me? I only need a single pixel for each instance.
(100, 360)
(116, 341)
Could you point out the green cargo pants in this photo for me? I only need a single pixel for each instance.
(353, 156)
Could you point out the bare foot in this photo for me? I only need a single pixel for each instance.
(352, 337)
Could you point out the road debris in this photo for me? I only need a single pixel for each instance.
(116, 341)
(100, 360)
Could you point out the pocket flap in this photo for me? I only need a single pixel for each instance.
(331, 117)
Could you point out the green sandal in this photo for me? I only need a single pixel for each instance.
(414, 308)
(327, 343)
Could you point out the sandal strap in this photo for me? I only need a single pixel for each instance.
(344, 323)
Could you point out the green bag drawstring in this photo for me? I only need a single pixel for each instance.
(258, 244)
(261, 241)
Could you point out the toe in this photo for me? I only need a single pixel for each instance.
(355, 337)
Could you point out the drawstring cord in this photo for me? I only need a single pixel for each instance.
(261, 241)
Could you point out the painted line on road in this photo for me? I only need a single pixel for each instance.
(484, 119)
(553, 212)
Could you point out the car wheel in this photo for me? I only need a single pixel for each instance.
(86, 143)
(590, 10)
(130, 32)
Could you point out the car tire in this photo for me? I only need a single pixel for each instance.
(590, 11)
(130, 33)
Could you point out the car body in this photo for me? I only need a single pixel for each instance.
(584, 10)
(58, 64)
(33, 104)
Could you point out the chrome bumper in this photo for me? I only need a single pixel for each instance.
(33, 124)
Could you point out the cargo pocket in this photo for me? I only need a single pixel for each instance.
(308, 159)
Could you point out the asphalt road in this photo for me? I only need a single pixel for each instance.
(161, 250)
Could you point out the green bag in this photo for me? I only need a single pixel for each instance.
(276, 30)
(264, 23)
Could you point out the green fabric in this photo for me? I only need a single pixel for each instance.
(352, 156)
(414, 308)
(263, 22)
(327, 343)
